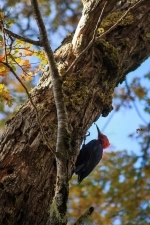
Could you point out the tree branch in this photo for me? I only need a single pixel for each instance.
(74, 41)
(134, 104)
(121, 18)
(60, 199)
(90, 43)
(83, 218)
(17, 36)
(79, 39)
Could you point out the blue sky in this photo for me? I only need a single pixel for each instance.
(123, 122)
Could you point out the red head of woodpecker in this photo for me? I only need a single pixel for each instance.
(102, 138)
(90, 155)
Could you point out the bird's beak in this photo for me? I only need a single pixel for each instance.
(98, 130)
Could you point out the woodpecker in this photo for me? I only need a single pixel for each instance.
(90, 155)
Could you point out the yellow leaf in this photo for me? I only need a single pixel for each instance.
(18, 60)
(5, 95)
(3, 70)
(1, 15)
(2, 57)
(1, 88)
(24, 62)
(28, 53)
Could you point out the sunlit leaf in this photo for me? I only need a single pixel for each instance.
(1, 38)
(3, 70)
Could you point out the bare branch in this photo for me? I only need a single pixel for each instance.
(134, 104)
(17, 36)
(85, 216)
(56, 82)
(63, 138)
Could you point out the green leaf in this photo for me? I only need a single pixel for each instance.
(1, 38)
(14, 68)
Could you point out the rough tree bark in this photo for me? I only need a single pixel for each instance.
(27, 166)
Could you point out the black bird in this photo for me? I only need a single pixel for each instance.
(90, 155)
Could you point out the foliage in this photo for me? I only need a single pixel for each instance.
(4, 95)
(58, 15)
(16, 57)
(118, 189)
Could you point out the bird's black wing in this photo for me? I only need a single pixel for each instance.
(84, 155)
(93, 159)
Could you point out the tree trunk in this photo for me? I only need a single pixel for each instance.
(27, 166)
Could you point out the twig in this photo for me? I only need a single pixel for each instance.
(21, 67)
(121, 18)
(91, 42)
(95, 30)
(34, 106)
(85, 216)
(108, 120)
(134, 104)
(17, 36)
